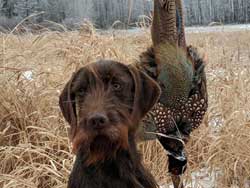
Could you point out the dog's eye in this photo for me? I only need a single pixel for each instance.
(116, 86)
(81, 92)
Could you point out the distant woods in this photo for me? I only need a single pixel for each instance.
(203, 12)
(104, 13)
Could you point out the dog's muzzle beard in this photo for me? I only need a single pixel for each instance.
(99, 139)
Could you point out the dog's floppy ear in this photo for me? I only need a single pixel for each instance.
(68, 106)
(147, 93)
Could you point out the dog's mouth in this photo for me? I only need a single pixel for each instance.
(103, 143)
(101, 148)
(111, 133)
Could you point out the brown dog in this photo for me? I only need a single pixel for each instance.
(104, 103)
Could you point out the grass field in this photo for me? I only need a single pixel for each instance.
(34, 147)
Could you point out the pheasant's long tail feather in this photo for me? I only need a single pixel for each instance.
(168, 23)
(180, 24)
(164, 23)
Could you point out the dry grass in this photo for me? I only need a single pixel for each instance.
(34, 147)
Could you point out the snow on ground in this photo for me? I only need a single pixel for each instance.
(220, 28)
(204, 178)
(201, 179)
(194, 29)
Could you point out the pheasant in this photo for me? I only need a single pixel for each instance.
(179, 70)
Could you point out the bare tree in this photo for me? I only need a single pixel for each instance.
(8, 8)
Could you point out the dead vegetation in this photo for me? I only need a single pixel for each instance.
(34, 147)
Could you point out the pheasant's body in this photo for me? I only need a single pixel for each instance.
(181, 107)
(183, 101)
(179, 70)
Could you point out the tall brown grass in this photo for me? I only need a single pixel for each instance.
(34, 147)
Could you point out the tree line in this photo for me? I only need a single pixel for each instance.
(203, 12)
(103, 13)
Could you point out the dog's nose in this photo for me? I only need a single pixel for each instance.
(97, 121)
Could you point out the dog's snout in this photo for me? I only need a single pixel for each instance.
(97, 121)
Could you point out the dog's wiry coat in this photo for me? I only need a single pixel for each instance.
(124, 171)
(104, 103)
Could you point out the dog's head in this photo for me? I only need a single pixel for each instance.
(103, 103)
